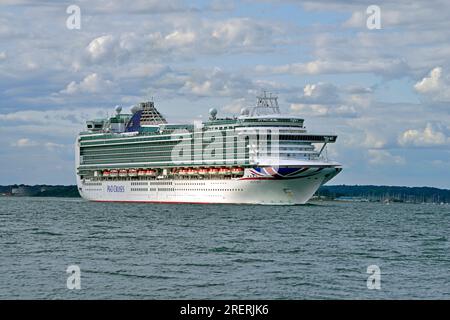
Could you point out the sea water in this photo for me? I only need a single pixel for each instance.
(156, 251)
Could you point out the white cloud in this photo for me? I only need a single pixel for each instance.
(357, 20)
(323, 100)
(3, 55)
(185, 38)
(393, 13)
(24, 143)
(219, 5)
(54, 146)
(235, 106)
(138, 6)
(428, 137)
(242, 32)
(92, 83)
(384, 157)
(436, 86)
(39, 131)
(180, 38)
(361, 100)
(320, 110)
(320, 92)
(216, 83)
(374, 140)
(432, 83)
(101, 47)
(389, 18)
(386, 67)
(147, 70)
(50, 118)
(115, 48)
(28, 143)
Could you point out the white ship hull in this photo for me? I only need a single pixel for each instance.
(246, 190)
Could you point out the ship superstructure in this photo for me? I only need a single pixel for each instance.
(259, 157)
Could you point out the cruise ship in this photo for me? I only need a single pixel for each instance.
(258, 157)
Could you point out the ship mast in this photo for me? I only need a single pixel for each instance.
(265, 105)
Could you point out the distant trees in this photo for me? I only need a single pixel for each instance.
(42, 190)
(391, 193)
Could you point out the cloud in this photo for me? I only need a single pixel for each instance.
(219, 5)
(436, 86)
(389, 18)
(184, 39)
(116, 49)
(114, 6)
(320, 92)
(70, 117)
(373, 140)
(145, 70)
(180, 38)
(92, 83)
(215, 83)
(325, 100)
(53, 146)
(24, 143)
(3, 55)
(242, 32)
(432, 83)
(385, 67)
(101, 47)
(318, 110)
(236, 106)
(384, 157)
(138, 6)
(393, 13)
(28, 143)
(430, 136)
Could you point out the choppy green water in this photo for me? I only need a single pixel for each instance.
(137, 251)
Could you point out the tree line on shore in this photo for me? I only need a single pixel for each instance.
(386, 193)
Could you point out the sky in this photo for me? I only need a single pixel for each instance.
(385, 91)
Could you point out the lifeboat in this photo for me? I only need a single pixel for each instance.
(213, 171)
(113, 173)
(224, 171)
(105, 173)
(183, 171)
(202, 171)
(141, 173)
(150, 173)
(123, 173)
(132, 172)
(192, 171)
(237, 170)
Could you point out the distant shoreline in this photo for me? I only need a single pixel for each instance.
(347, 193)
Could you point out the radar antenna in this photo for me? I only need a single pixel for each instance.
(265, 105)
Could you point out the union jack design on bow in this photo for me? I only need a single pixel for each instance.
(283, 172)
